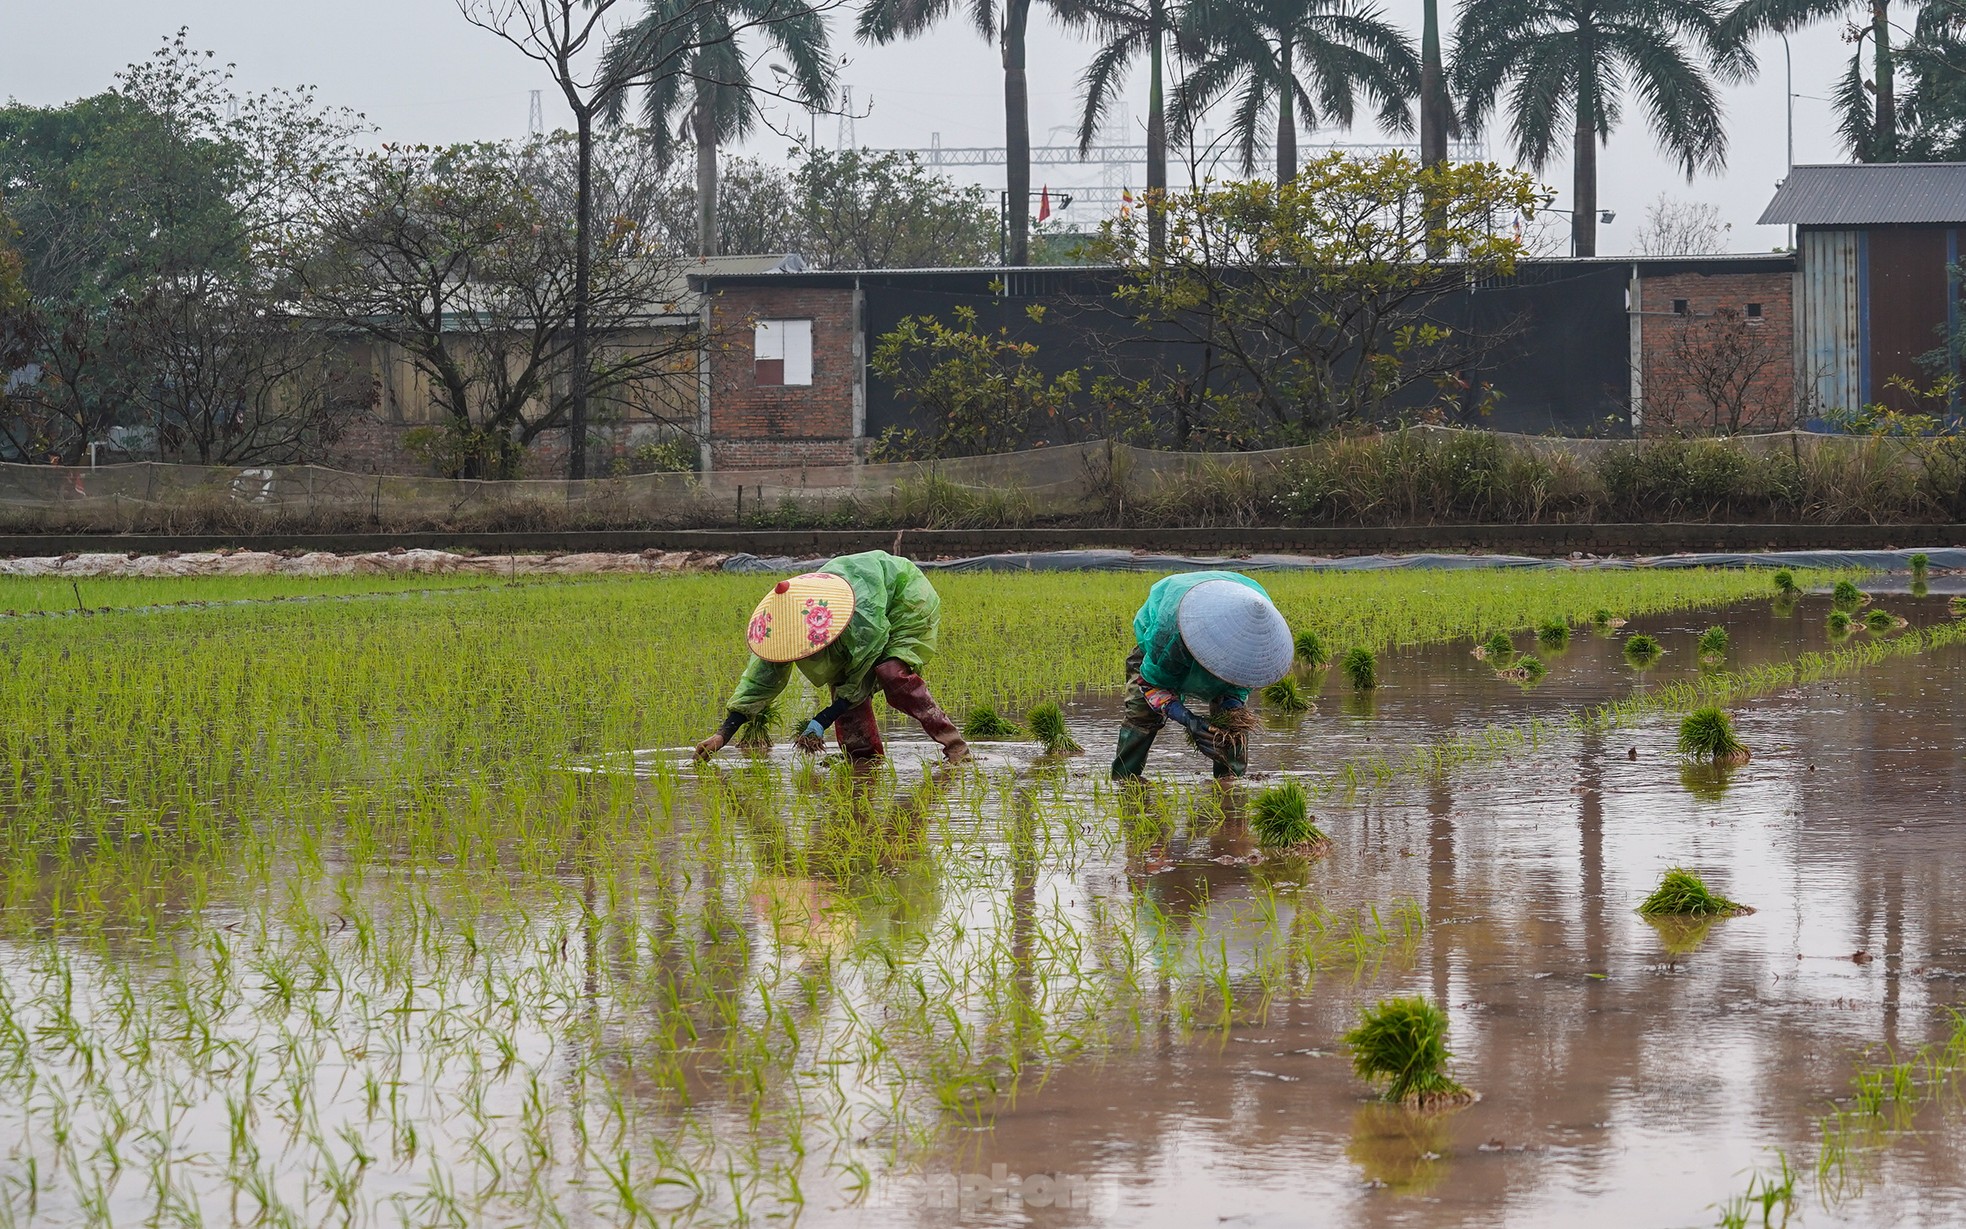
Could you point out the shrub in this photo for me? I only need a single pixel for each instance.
(1708, 734)
(1684, 894)
(1402, 1043)
(1361, 669)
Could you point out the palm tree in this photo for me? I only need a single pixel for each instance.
(1570, 62)
(1307, 58)
(1869, 111)
(883, 21)
(1436, 113)
(711, 100)
(1125, 29)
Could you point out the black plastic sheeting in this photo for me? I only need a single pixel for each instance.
(1942, 559)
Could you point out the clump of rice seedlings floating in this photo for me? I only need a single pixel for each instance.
(1684, 894)
(1553, 633)
(986, 722)
(1920, 562)
(1402, 1044)
(1957, 605)
(1714, 642)
(1708, 734)
(1498, 646)
(755, 734)
(1846, 595)
(1884, 621)
(1361, 669)
(1785, 582)
(1839, 623)
(1286, 695)
(1919, 585)
(1527, 669)
(1047, 722)
(1311, 652)
(1642, 650)
(1281, 816)
(1603, 618)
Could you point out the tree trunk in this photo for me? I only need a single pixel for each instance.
(703, 128)
(1433, 90)
(1885, 139)
(1017, 131)
(1286, 116)
(583, 210)
(1156, 139)
(1583, 192)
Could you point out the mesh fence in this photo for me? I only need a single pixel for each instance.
(1063, 479)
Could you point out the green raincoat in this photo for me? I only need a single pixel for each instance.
(895, 613)
(1166, 662)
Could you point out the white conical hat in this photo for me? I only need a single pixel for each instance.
(1235, 633)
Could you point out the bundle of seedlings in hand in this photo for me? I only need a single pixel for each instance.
(1708, 734)
(1553, 634)
(1286, 695)
(1527, 669)
(1311, 653)
(1641, 650)
(755, 733)
(1403, 1044)
(1282, 818)
(1048, 724)
(1847, 596)
(1361, 669)
(1497, 647)
(986, 722)
(1785, 582)
(1684, 894)
(1713, 642)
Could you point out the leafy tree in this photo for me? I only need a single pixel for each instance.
(1933, 106)
(1867, 110)
(1126, 29)
(868, 210)
(1307, 59)
(1317, 297)
(462, 258)
(1007, 23)
(976, 391)
(1568, 64)
(712, 101)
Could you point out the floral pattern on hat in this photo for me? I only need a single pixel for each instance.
(819, 620)
(760, 627)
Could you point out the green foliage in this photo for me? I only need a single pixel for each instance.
(1047, 722)
(1402, 1043)
(755, 733)
(1846, 595)
(1361, 669)
(1601, 617)
(986, 722)
(1311, 651)
(1880, 620)
(881, 209)
(1499, 646)
(1531, 668)
(677, 455)
(1286, 695)
(1714, 642)
(1708, 734)
(1839, 623)
(1281, 816)
(1956, 604)
(1553, 633)
(1684, 894)
(1785, 581)
(1254, 271)
(1920, 562)
(1642, 650)
(982, 391)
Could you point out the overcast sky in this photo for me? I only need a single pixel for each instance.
(421, 74)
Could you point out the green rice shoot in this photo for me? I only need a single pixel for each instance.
(1281, 816)
(1402, 1044)
(1286, 695)
(1682, 893)
(1553, 634)
(1311, 652)
(1708, 734)
(1714, 642)
(986, 722)
(1642, 650)
(1361, 669)
(1047, 722)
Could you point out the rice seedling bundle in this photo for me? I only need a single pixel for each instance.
(1527, 669)
(1499, 647)
(1846, 595)
(1286, 695)
(1785, 582)
(1311, 652)
(755, 734)
(1047, 722)
(1714, 642)
(1281, 816)
(1682, 893)
(1642, 650)
(1553, 634)
(1708, 734)
(1920, 562)
(985, 722)
(1839, 623)
(1883, 621)
(1361, 669)
(1401, 1043)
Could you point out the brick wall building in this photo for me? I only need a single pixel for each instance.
(1713, 344)
(783, 376)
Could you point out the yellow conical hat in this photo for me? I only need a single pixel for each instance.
(800, 616)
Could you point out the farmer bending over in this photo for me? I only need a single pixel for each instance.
(860, 624)
(1201, 636)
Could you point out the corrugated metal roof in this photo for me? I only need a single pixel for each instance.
(1870, 194)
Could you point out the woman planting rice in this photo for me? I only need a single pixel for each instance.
(860, 624)
(1201, 636)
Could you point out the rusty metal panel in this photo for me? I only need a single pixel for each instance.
(1906, 292)
(1830, 356)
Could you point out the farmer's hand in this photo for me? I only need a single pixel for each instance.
(812, 739)
(710, 746)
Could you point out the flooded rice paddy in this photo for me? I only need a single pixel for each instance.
(773, 991)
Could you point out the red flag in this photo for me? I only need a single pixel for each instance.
(1044, 203)
(1126, 202)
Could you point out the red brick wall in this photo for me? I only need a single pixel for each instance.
(1683, 356)
(759, 428)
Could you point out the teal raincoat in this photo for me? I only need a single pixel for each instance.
(1166, 662)
(895, 614)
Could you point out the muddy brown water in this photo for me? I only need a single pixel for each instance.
(1621, 1082)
